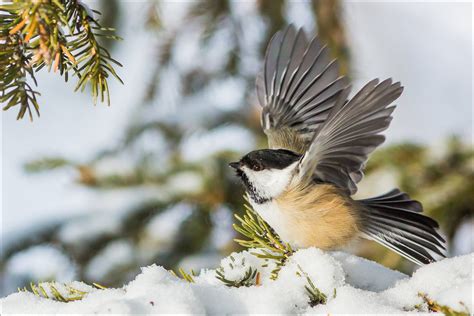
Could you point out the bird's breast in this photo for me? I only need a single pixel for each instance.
(272, 214)
(318, 216)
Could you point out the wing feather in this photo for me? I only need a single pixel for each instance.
(297, 89)
(306, 109)
(341, 145)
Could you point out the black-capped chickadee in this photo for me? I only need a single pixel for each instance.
(319, 142)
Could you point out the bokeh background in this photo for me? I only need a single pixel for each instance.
(93, 193)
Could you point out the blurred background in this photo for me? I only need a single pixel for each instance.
(93, 193)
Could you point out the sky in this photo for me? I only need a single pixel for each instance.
(427, 46)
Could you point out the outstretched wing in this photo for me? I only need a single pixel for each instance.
(297, 89)
(341, 145)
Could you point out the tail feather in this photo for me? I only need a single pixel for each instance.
(412, 232)
(424, 240)
(396, 198)
(405, 216)
(394, 220)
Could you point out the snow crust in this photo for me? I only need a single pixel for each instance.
(351, 284)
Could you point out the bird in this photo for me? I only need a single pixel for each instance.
(319, 141)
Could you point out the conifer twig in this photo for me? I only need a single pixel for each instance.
(261, 236)
(251, 276)
(94, 63)
(61, 35)
(316, 297)
(50, 290)
(434, 306)
(188, 277)
(15, 69)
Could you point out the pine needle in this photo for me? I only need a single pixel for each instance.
(434, 306)
(60, 35)
(270, 247)
(51, 290)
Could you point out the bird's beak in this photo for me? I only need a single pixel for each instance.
(235, 165)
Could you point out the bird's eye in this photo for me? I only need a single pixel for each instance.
(257, 167)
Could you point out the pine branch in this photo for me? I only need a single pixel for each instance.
(271, 247)
(94, 63)
(434, 306)
(261, 236)
(14, 70)
(46, 164)
(316, 297)
(250, 278)
(58, 291)
(188, 277)
(57, 34)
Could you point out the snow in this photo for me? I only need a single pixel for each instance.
(165, 226)
(116, 255)
(351, 284)
(89, 228)
(222, 232)
(350, 300)
(30, 265)
(34, 267)
(200, 261)
(227, 94)
(461, 244)
(185, 182)
(439, 281)
(357, 269)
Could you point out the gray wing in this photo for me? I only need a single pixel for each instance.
(297, 89)
(342, 144)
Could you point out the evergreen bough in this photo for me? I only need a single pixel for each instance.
(58, 291)
(434, 306)
(269, 246)
(251, 276)
(62, 35)
(260, 236)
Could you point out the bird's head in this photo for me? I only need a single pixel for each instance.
(266, 172)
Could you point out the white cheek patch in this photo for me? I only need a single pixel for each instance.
(270, 183)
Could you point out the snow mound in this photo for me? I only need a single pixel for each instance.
(349, 283)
